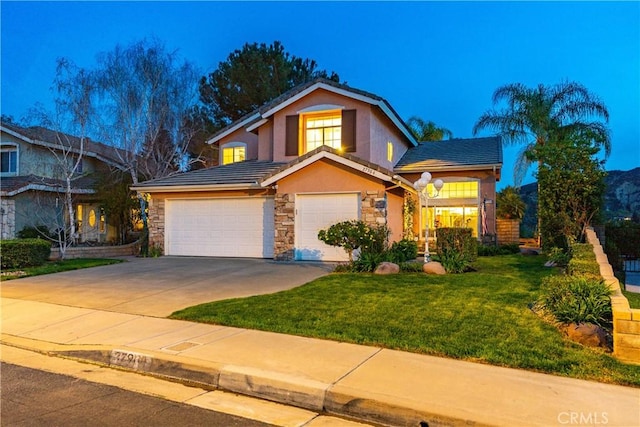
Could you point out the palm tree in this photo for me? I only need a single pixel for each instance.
(536, 116)
(427, 130)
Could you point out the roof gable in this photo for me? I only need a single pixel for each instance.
(48, 138)
(258, 117)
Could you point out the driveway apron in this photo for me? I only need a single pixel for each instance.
(160, 286)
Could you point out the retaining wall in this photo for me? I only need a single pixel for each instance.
(626, 320)
(131, 249)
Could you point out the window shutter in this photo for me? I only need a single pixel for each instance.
(291, 148)
(349, 130)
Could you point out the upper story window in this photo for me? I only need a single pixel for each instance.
(324, 129)
(321, 125)
(389, 151)
(9, 161)
(233, 152)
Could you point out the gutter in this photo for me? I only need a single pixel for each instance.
(192, 188)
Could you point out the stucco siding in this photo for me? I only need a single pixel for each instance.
(323, 97)
(241, 135)
(383, 131)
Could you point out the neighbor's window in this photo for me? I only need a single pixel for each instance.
(9, 159)
(234, 152)
(323, 129)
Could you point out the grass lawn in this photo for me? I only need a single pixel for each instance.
(57, 267)
(482, 316)
(633, 297)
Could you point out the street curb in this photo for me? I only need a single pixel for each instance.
(277, 387)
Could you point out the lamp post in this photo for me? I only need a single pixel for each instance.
(421, 187)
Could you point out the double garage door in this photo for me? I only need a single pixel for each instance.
(234, 227)
(244, 227)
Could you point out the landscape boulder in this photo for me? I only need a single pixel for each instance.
(587, 334)
(387, 268)
(433, 267)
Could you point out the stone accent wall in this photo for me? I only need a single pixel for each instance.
(374, 207)
(508, 231)
(8, 224)
(626, 321)
(284, 227)
(156, 223)
(132, 249)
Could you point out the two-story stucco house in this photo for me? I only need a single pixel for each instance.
(319, 154)
(31, 187)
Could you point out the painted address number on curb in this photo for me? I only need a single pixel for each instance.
(129, 359)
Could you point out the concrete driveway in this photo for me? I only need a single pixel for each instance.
(160, 286)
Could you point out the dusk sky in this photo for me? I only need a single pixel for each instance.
(440, 61)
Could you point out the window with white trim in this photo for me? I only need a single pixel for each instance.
(9, 159)
(233, 152)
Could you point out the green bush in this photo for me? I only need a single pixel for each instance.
(402, 251)
(367, 262)
(37, 232)
(560, 256)
(457, 248)
(493, 250)
(24, 253)
(583, 260)
(352, 235)
(576, 299)
(411, 267)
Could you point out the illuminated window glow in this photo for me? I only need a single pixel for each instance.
(457, 190)
(454, 216)
(325, 129)
(389, 151)
(233, 155)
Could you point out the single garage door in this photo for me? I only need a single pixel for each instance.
(233, 227)
(315, 212)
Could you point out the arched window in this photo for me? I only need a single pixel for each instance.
(233, 152)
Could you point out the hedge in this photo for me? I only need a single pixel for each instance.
(24, 253)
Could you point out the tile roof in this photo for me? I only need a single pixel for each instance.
(451, 154)
(12, 185)
(40, 135)
(247, 172)
(257, 113)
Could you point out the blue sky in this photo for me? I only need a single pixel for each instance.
(437, 60)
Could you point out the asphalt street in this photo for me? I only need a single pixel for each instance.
(32, 397)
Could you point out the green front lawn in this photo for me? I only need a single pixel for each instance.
(482, 316)
(57, 267)
(633, 297)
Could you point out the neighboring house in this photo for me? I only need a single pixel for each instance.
(32, 191)
(319, 154)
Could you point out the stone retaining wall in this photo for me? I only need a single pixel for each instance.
(626, 320)
(131, 249)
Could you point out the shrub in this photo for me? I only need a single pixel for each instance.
(24, 253)
(352, 235)
(403, 250)
(411, 267)
(367, 262)
(559, 256)
(583, 260)
(492, 250)
(457, 248)
(576, 299)
(37, 232)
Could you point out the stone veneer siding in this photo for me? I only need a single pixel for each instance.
(373, 212)
(8, 225)
(156, 223)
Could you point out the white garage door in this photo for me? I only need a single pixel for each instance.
(315, 212)
(237, 227)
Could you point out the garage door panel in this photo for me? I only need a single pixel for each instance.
(319, 211)
(240, 227)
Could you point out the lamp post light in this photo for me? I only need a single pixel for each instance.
(421, 187)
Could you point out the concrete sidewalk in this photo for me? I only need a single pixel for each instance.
(366, 383)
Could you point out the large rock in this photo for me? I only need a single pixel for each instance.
(433, 267)
(387, 268)
(587, 334)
